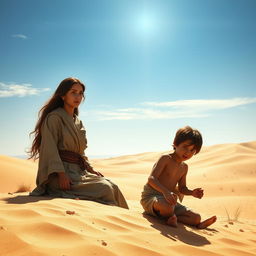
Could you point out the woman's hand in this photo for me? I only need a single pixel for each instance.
(198, 193)
(64, 181)
(171, 198)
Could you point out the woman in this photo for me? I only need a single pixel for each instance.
(59, 142)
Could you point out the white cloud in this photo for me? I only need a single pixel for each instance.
(19, 90)
(206, 104)
(172, 110)
(20, 36)
(142, 114)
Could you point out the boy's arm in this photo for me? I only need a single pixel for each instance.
(156, 172)
(198, 192)
(183, 184)
(153, 180)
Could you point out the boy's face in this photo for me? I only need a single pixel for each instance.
(185, 150)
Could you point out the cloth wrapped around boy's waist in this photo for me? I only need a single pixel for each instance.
(74, 158)
(150, 191)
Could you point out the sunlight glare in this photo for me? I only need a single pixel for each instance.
(146, 25)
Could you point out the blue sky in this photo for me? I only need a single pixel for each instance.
(150, 67)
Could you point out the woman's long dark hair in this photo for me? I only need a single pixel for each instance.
(54, 102)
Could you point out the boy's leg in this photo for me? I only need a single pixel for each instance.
(165, 209)
(194, 219)
(206, 223)
(190, 218)
(172, 221)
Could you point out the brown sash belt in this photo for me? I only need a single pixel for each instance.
(75, 158)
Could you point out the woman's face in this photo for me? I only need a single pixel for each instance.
(74, 96)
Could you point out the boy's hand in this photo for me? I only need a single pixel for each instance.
(198, 193)
(171, 198)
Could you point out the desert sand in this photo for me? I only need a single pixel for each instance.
(43, 226)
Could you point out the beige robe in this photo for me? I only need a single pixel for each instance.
(61, 132)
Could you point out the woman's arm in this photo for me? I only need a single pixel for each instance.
(49, 158)
(64, 181)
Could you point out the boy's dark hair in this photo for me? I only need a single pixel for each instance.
(187, 133)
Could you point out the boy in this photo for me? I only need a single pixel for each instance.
(159, 197)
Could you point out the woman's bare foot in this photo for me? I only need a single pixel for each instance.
(207, 223)
(172, 221)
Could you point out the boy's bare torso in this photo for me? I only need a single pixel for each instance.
(172, 173)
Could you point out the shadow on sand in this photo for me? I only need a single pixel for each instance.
(25, 199)
(180, 233)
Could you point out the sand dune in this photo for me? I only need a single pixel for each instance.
(15, 173)
(41, 226)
